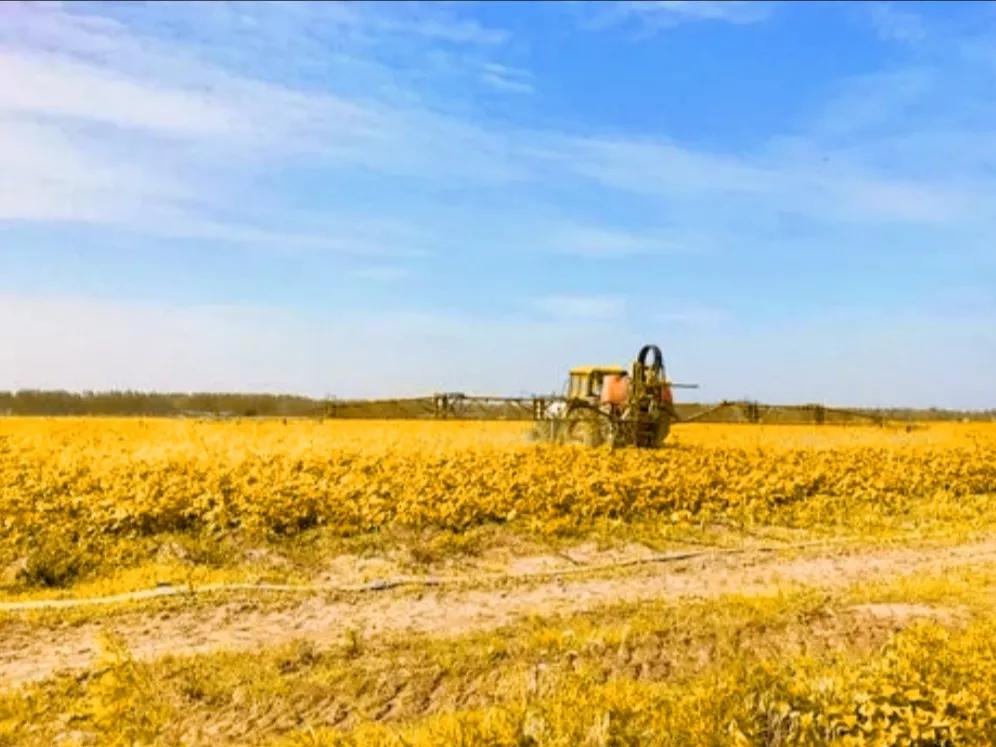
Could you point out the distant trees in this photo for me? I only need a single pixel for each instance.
(37, 402)
(933, 413)
(220, 404)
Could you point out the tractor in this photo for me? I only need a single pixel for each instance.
(610, 405)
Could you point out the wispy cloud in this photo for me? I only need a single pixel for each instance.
(864, 104)
(199, 104)
(693, 315)
(111, 128)
(434, 22)
(118, 128)
(45, 174)
(580, 307)
(506, 78)
(896, 22)
(602, 242)
(799, 181)
(652, 16)
(51, 85)
(380, 273)
(61, 174)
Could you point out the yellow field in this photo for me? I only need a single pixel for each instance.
(100, 478)
(839, 588)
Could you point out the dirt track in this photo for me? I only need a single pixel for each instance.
(29, 652)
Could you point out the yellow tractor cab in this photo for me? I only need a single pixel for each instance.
(586, 381)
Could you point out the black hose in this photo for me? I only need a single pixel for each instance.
(658, 363)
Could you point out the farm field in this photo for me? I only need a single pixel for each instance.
(411, 582)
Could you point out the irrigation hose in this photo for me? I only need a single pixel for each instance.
(169, 590)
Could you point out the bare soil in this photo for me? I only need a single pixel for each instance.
(478, 601)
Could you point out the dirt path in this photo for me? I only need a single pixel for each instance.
(29, 652)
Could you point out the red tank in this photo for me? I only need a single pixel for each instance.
(615, 390)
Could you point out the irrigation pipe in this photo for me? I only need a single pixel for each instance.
(169, 590)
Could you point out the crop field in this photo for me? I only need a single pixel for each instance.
(437, 583)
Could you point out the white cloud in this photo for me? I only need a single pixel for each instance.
(695, 315)
(204, 103)
(357, 23)
(374, 21)
(893, 22)
(456, 31)
(380, 273)
(106, 83)
(111, 130)
(507, 78)
(580, 307)
(648, 165)
(651, 16)
(596, 241)
(732, 11)
(52, 173)
(46, 175)
(151, 137)
(51, 85)
(866, 103)
(799, 183)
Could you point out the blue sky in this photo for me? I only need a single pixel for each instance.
(796, 201)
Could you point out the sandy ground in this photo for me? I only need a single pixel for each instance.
(30, 652)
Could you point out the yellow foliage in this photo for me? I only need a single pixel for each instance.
(67, 484)
(929, 688)
(68, 487)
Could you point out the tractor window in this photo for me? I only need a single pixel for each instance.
(596, 385)
(580, 385)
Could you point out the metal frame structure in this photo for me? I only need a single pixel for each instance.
(643, 420)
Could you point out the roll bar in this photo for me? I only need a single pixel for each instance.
(658, 359)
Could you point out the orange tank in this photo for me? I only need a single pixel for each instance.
(615, 389)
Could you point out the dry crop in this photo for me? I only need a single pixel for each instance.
(69, 487)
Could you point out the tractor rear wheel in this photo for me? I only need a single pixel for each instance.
(588, 426)
(588, 431)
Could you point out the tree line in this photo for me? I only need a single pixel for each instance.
(163, 404)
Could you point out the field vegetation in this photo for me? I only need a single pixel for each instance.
(458, 583)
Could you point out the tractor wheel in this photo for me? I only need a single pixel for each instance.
(589, 428)
(584, 431)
